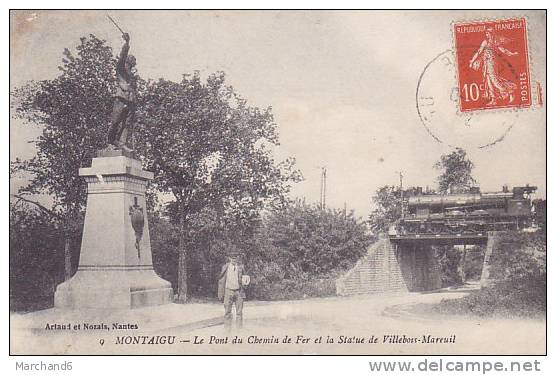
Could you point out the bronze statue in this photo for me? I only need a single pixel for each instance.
(123, 112)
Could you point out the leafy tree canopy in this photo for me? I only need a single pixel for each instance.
(387, 208)
(455, 172)
(306, 240)
(73, 110)
(207, 146)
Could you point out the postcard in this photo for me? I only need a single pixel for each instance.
(285, 182)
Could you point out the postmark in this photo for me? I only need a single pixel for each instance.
(492, 64)
(472, 95)
(437, 102)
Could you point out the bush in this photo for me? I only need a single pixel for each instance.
(304, 240)
(300, 249)
(518, 273)
(502, 299)
(36, 258)
(449, 258)
(520, 258)
(474, 262)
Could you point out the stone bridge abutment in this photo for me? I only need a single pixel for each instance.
(389, 267)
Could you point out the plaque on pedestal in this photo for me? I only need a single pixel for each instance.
(115, 265)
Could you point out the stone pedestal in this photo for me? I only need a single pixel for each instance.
(115, 264)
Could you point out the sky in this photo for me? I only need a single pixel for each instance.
(341, 84)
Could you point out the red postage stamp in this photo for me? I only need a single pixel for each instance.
(492, 64)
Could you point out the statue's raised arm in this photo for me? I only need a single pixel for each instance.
(120, 67)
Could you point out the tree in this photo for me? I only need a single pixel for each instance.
(34, 259)
(539, 206)
(387, 208)
(303, 242)
(455, 171)
(210, 150)
(455, 177)
(73, 110)
(164, 245)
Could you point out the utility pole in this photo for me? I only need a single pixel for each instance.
(324, 195)
(320, 198)
(401, 193)
(323, 188)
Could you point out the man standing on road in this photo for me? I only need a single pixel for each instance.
(230, 287)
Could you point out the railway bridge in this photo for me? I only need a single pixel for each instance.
(405, 260)
(398, 263)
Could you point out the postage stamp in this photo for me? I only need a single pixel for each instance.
(492, 64)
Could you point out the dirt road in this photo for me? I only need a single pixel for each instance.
(366, 324)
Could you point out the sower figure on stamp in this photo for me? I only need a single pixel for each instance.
(231, 283)
(488, 54)
(123, 111)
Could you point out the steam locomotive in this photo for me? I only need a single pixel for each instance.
(472, 212)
